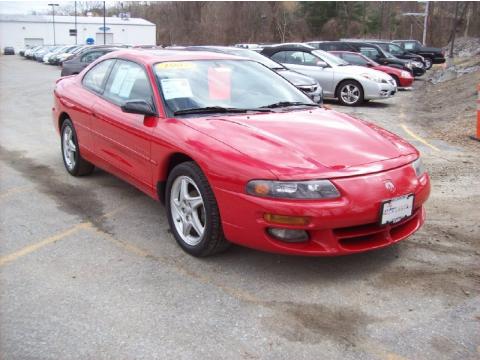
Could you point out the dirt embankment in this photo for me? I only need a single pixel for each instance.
(447, 100)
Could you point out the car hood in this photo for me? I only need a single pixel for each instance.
(358, 70)
(308, 144)
(389, 69)
(296, 78)
(431, 49)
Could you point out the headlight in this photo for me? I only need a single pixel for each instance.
(408, 65)
(418, 64)
(405, 74)
(419, 167)
(315, 189)
(373, 78)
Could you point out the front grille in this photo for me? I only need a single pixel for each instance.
(373, 235)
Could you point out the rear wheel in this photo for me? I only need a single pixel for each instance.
(192, 211)
(73, 161)
(350, 93)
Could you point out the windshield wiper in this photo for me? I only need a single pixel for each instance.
(287, 103)
(214, 109)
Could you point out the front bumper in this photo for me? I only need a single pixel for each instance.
(374, 90)
(346, 225)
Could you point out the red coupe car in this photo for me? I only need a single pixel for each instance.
(404, 79)
(239, 155)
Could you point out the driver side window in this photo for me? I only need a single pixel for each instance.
(128, 81)
(95, 77)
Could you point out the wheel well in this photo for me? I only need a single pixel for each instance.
(341, 82)
(63, 116)
(174, 160)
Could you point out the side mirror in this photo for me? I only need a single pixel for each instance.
(369, 64)
(138, 107)
(322, 64)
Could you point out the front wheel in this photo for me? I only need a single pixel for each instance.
(350, 93)
(192, 211)
(428, 63)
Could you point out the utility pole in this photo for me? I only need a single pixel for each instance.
(104, 28)
(76, 31)
(53, 15)
(425, 20)
(425, 23)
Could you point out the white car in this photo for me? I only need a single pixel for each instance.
(350, 84)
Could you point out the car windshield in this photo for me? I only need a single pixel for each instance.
(201, 86)
(388, 55)
(330, 59)
(395, 49)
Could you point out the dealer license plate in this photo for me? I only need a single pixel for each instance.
(397, 209)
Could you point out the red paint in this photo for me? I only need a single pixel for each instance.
(358, 157)
(404, 77)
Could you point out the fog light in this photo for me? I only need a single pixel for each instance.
(288, 235)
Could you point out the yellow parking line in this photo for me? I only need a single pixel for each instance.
(51, 239)
(418, 138)
(30, 248)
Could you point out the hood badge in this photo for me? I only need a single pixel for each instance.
(390, 186)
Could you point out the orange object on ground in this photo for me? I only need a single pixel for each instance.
(478, 112)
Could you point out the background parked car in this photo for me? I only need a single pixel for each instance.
(82, 59)
(432, 55)
(402, 78)
(8, 50)
(374, 52)
(308, 85)
(398, 51)
(351, 85)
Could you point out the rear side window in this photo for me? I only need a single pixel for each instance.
(128, 81)
(411, 45)
(354, 59)
(92, 56)
(279, 57)
(370, 52)
(95, 78)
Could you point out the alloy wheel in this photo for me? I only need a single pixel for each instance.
(350, 94)
(188, 210)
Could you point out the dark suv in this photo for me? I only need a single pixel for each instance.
(432, 55)
(372, 51)
(397, 51)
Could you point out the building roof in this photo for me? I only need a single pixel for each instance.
(71, 19)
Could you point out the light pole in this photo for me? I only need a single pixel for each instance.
(76, 31)
(425, 20)
(53, 15)
(104, 28)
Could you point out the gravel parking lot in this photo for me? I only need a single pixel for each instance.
(88, 268)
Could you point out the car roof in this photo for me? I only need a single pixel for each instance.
(149, 57)
(287, 47)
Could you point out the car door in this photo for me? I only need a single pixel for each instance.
(124, 139)
(306, 63)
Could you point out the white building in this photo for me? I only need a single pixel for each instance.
(21, 30)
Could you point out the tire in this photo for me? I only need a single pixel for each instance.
(194, 218)
(355, 96)
(72, 159)
(428, 63)
(397, 80)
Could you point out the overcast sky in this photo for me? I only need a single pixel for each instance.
(26, 7)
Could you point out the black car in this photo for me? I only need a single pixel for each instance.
(372, 51)
(8, 50)
(309, 86)
(432, 55)
(83, 59)
(398, 51)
